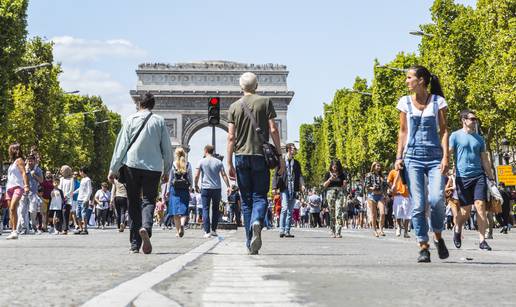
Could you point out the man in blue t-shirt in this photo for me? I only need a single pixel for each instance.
(472, 165)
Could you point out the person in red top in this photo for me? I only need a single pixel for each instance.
(48, 186)
(277, 206)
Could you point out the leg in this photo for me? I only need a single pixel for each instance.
(381, 209)
(206, 199)
(44, 213)
(480, 205)
(134, 187)
(416, 184)
(215, 199)
(283, 214)
(244, 179)
(371, 208)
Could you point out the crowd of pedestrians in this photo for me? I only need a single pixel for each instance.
(417, 193)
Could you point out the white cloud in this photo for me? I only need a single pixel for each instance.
(98, 83)
(70, 49)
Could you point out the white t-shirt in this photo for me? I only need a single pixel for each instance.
(104, 198)
(67, 186)
(56, 202)
(297, 204)
(402, 106)
(85, 189)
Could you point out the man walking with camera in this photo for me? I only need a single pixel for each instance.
(252, 171)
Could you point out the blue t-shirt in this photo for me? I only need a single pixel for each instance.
(33, 182)
(467, 148)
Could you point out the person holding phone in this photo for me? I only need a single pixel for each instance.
(423, 155)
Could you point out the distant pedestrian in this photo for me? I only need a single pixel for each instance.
(211, 169)
(55, 209)
(335, 183)
(180, 181)
(102, 200)
(119, 202)
(252, 172)
(143, 154)
(17, 186)
(84, 206)
(375, 184)
(67, 185)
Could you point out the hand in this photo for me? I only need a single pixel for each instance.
(231, 172)
(398, 165)
(228, 191)
(281, 169)
(111, 176)
(197, 189)
(26, 190)
(444, 167)
(164, 178)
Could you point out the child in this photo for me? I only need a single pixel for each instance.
(56, 207)
(159, 211)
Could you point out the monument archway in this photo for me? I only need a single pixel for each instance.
(182, 91)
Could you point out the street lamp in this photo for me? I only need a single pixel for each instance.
(361, 93)
(102, 122)
(88, 112)
(72, 92)
(393, 68)
(505, 150)
(17, 70)
(421, 33)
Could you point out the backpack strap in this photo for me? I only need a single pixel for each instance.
(436, 112)
(409, 105)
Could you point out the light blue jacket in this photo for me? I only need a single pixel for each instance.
(152, 150)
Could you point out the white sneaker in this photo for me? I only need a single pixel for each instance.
(12, 236)
(214, 233)
(207, 235)
(39, 232)
(398, 232)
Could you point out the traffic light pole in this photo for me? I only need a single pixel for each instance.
(213, 138)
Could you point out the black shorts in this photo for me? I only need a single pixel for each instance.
(470, 189)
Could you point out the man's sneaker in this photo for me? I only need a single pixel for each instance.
(146, 243)
(77, 232)
(213, 233)
(289, 235)
(256, 241)
(398, 232)
(84, 232)
(282, 235)
(207, 235)
(424, 255)
(406, 235)
(457, 239)
(484, 246)
(441, 249)
(249, 252)
(134, 251)
(12, 236)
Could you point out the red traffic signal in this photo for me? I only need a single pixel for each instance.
(214, 101)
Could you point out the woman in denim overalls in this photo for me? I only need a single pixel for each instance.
(423, 153)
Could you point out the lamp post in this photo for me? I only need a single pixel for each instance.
(19, 69)
(87, 112)
(361, 93)
(421, 33)
(71, 92)
(392, 68)
(102, 122)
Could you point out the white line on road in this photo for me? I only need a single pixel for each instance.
(125, 293)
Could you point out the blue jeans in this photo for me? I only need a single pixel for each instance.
(417, 170)
(207, 196)
(286, 212)
(253, 179)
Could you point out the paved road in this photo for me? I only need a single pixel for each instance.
(310, 269)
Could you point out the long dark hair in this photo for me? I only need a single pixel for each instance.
(15, 152)
(431, 80)
(337, 163)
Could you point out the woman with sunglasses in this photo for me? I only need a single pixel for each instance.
(423, 155)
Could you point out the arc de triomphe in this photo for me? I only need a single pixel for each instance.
(182, 91)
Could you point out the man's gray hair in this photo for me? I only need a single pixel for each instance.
(248, 82)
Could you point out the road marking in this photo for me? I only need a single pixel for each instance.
(238, 279)
(123, 294)
(150, 298)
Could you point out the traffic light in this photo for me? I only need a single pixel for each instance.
(214, 111)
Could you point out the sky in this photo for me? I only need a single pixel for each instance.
(325, 44)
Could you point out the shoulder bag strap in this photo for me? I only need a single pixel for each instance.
(436, 113)
(250, 116)
(138, 133)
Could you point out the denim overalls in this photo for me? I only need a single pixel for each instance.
(423, 155)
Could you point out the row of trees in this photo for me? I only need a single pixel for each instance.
(35, 111)
(472, 51)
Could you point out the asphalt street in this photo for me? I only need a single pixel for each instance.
(311, 269)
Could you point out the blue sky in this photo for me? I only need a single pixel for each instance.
(325, 44)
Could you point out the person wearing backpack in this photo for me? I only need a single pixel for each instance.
(179, 191)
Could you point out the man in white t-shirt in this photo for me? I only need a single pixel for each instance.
(84, 208)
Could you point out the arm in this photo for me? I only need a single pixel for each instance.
(196, 179)
(21, 166)
(443, 128)
(226, 180)
(39, 177)
(402, 139)
(166, 152)
(486, 164)
(229, 150)
(113, 193)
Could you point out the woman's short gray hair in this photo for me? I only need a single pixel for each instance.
(248, 82)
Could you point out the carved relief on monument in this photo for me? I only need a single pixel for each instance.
(172, 126)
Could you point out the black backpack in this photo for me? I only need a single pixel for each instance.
(180, 180)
